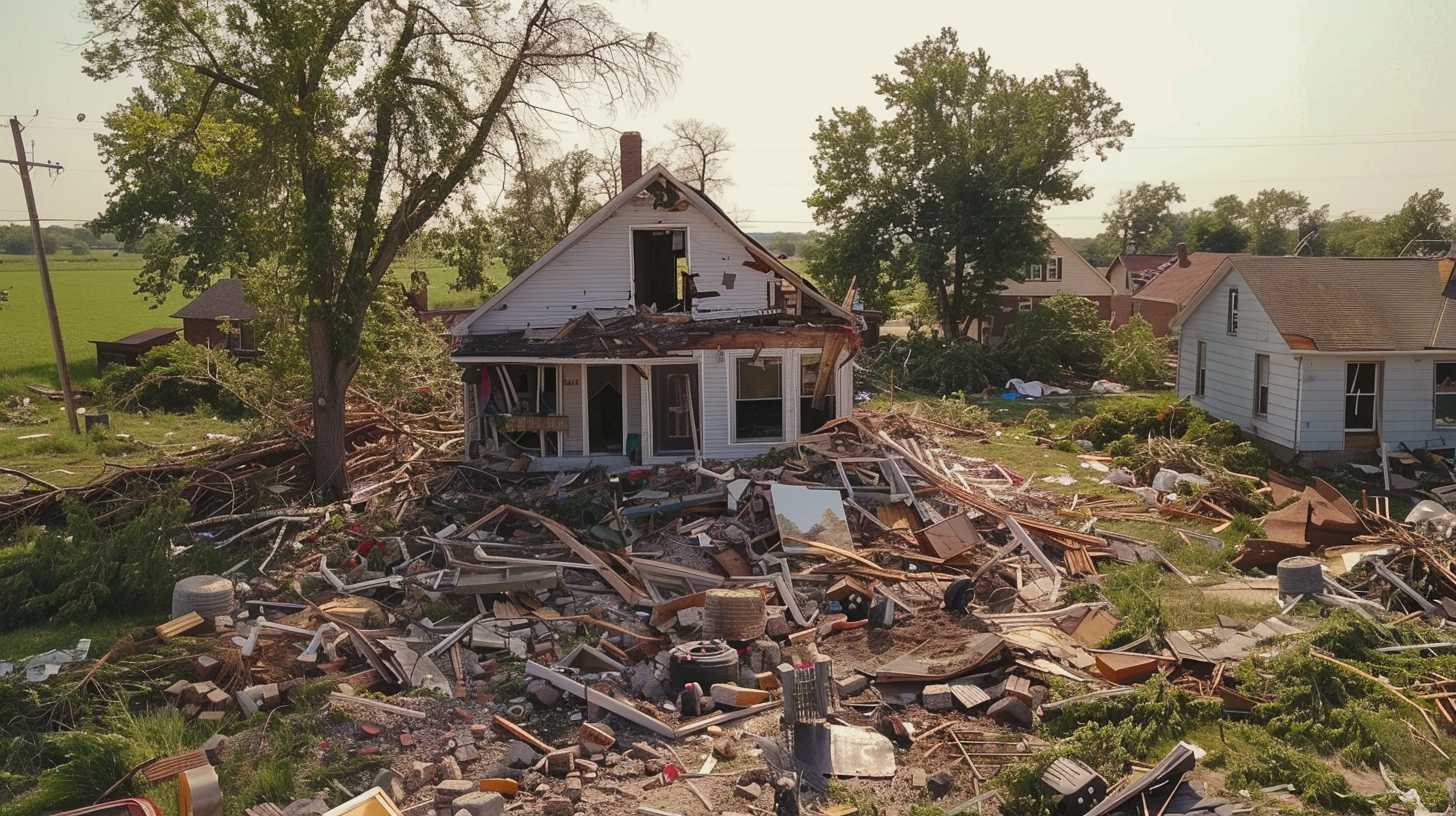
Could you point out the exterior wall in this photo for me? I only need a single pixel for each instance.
(1158, 313)
(715, 379)
(203, 332)
(1078, 276)
(570, 377)
(595, 273)
(1007, 307)
(1122, 310)
(1407, 402)
(1229, 392)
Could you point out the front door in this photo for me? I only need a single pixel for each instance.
(1362, 404)
(676, 409)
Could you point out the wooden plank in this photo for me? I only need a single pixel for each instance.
(521, 734)
(179, 625)
(336, 698)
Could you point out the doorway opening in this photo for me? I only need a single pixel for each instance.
(604, 408)
(660, 276)
(676, 409)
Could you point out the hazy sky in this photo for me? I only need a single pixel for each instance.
(1348, 102)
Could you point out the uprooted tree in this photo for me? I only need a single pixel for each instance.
(325, 134)
(951, 186)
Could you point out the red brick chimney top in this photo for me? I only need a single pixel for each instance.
(631, 149)
(1182, 254)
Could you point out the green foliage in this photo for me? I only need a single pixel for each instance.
(1243, 527)
(864, 801)
(928, 364)
(543, 203)
(953, 411)
(1135, 355)
(1141, 219)
(1267, 761)
(1062, 335)
(177, 377)
(1139, 417)
(1038, 421)
(90, 569)
(1127, 587)
(951, 185)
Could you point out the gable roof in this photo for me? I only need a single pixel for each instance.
(1347, 304)
(697, 199)
(142, 337)
(1178, 284)
(222, 299)
(1143, 263)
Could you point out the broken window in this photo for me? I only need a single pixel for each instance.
(1360, 397)
(1261, 384)
(1445, 398)
(811, 418)
(660, 276)
(1233, 311)
(1200, 380)
(758, 404)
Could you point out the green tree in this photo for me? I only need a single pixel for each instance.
(952, 185)
(1424, 217)
(1352, 235)
(1063, 335)
(541, 206)
(1141, 219)
(1218, 229)
(1135, 356)
(1270, 218)
(328, 133)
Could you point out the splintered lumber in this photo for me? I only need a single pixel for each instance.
(730, 694)
(521, 734)
(630, 593)
(337, 698)
(168, 767)
(179, 625)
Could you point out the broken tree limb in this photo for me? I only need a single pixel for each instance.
(1382, 682)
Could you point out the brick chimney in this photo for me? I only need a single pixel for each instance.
(1182, 254)
(631, 149)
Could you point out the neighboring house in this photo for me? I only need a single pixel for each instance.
(1325, 354)
(1128, 273)
(1064, 270)
(129, 349)
(656, 330)
(221, 317)
(1174, 285)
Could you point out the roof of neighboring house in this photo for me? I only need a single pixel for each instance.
(143, 338)
(1143, 263)
(224, 299)
(1178, 284)
(1349, 304)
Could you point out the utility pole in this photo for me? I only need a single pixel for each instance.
(45, 274)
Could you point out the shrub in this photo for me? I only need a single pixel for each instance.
(1063, 335)
(1135, 355)
(933, 365)
(1038, 421)
(1135, 416)
(176, 377)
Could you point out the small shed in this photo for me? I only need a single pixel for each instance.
(129, 349)
(221, 304)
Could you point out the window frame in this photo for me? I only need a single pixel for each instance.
(1233, 311)
(1054, 265)
(733, 400)
(1025, 304)
(831, 397)
(1373, 395)
(672, 226)
(1261, 385)
(1200, 370)
(1437, 393)
(1036, 272)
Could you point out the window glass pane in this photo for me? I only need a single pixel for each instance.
(761, 379)
(1360, 378)
(1446, 409)
(1446, 376)
(808, 373)
(759, 419)
(1360, 413)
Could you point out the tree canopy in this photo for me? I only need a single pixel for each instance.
(952, 185)
(325, 134)
(1142, 218)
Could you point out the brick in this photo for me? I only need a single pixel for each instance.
(480, 803)
(937, 697)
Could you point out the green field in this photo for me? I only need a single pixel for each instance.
(95, 296)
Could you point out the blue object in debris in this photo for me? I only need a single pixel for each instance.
(1012, 395)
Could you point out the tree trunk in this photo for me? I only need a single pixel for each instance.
(331, 376)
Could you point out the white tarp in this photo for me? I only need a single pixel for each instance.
(1035, 388)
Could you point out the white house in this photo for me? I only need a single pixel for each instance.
(655, 331)
(1325, 354)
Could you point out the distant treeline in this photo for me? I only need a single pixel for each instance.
(792, 244)
(15, 240)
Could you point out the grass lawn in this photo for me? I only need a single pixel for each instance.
(28, 640)
(96, 299)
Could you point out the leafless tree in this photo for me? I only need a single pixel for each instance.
(699, 152)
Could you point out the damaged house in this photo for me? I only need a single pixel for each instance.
(656, 331)
(1325, 355)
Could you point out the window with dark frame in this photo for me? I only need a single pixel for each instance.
(811, 418)
(1036, 272)
(758, 401)
(1024, 304)
(1233, 311)
(1261, 385)
(1445, 394)
(1054, 269)
(1200, 377)
(1360, 397)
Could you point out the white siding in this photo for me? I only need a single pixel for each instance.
(595, 273)
(632, 389)
(1229, 391)
(714, 370)
(1407, 403)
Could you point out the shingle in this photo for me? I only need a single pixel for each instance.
(222, 299)
(1178, 284)
(1353, 304)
